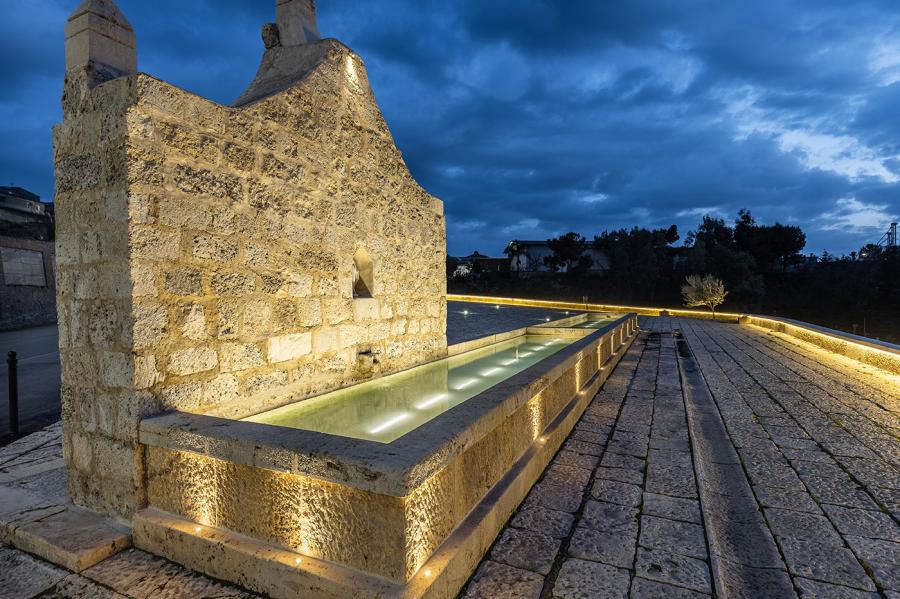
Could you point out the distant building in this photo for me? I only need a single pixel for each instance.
(27, 260)
(528, 256)
(479, 263)
(23, 214)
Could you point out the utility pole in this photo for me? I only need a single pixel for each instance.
(892, 236)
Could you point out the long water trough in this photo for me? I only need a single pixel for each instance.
(392, 488)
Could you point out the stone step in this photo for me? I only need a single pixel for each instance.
(60, 533)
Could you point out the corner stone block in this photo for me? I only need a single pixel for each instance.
(97, 32)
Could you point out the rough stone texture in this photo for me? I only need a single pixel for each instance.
(795, 453)
(206, 254)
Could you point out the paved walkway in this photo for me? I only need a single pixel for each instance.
(717, 460)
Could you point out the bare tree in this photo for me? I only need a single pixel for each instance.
(706, 291)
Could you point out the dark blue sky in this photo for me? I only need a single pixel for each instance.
(530, 118)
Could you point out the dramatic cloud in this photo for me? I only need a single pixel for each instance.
(532, 118)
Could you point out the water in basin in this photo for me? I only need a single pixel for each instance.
(385, 409)
(595, 321)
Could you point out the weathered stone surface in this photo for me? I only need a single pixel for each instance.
(539, 519)
(616, 492)
(526, 549)
(673, 569)
(825, 563)
(673, 508)
(881, 558)
(673, 536)
(615, 549)
(812, 589)
(641, 588)
(494, 579)
(580, 579)
(24, 576)
(225, 228)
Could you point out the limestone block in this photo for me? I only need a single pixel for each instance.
(325, 340)
(192, 360)
(365, 309)
(153, 243)
(184, 281)
(309, 312)
(193, 322)
(150, 325)
(97, 32)
(239, 356)
(145, 373)
(222, 389)
(218, 249)
(299, 285)
(116, 369)
(289, 347)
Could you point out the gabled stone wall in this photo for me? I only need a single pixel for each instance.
(206, 255)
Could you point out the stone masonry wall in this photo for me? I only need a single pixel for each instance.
(28, 305)
(205, 255)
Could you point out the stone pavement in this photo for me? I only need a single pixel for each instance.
(717, 460)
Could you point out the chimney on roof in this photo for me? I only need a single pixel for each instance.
(296, 20)
(99, 35)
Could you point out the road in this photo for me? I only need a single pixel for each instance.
(38, 353)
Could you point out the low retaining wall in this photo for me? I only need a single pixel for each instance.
(869, 351)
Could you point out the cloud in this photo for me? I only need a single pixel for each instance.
(531, 118)
(852, 216)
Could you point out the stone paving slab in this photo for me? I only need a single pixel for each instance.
(717, 459)
(732, 462)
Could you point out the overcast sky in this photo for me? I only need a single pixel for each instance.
(530, 118)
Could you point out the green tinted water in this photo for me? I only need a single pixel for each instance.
(385, 409)
(595, 321)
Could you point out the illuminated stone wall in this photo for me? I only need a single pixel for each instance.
(206, 253)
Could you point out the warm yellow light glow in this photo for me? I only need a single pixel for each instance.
(351, 70)
(298, 561)
(427, 572)
(197, 529)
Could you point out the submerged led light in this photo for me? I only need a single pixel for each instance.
(464, 384)
(509, 362)
(389, 423)
(431, 401)
(491, 371)
(465, 312)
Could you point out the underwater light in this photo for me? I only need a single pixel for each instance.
(491, 371)
(431, 401)
(465, 384)
(389, 423)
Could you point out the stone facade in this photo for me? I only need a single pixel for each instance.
(206, 253)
